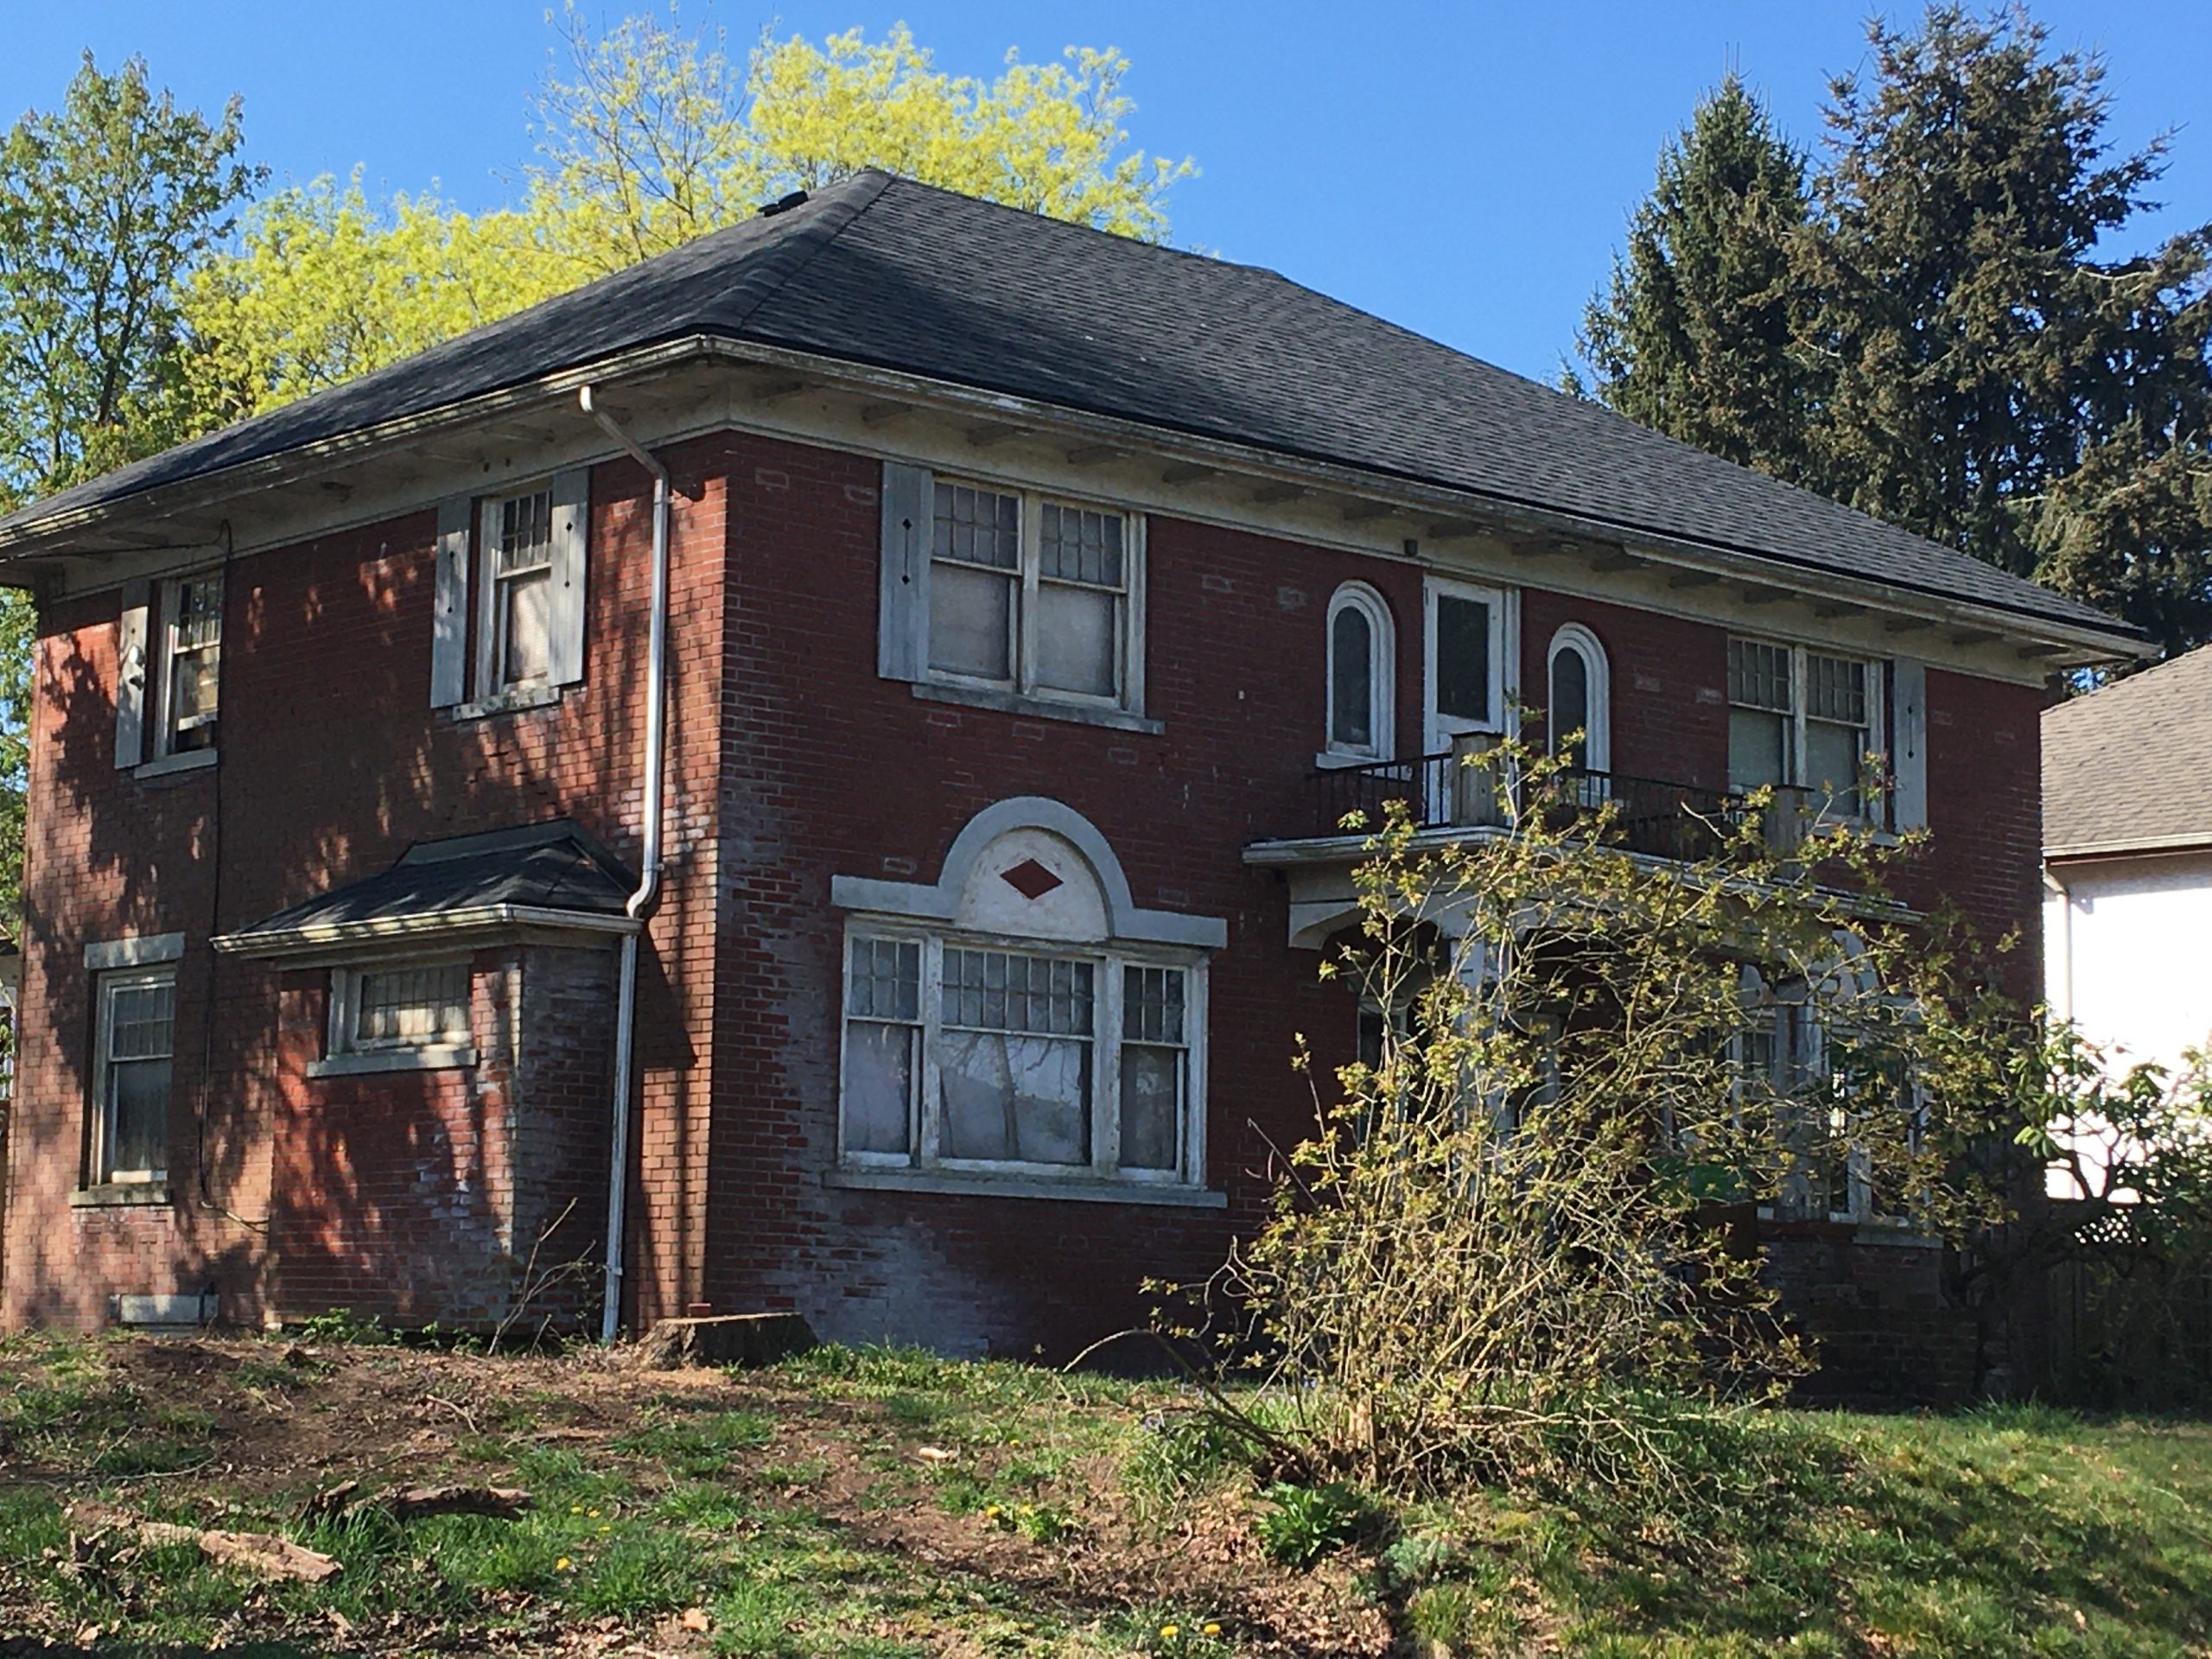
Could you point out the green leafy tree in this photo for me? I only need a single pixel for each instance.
(653, 137)
(106, 203)
(1965, 357)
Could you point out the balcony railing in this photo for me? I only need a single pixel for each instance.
(1649, 815)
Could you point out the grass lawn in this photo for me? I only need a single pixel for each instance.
(886, 1504)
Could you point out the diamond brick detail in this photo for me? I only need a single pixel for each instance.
(1030, 878)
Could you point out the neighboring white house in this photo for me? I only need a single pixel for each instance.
(2128, 863)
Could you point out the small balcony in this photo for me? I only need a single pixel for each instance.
(1650, 816)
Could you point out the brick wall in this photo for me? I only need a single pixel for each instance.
(793, 763)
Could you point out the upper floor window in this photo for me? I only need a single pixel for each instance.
(1362, 678)
(509, 618)
(1801, 718)
(1029, 593)
(1578, 713)
(133, 1042)
(190, 667)
(965, 1055)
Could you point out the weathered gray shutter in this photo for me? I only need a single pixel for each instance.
(449, 606)
(902, 647)
(130, 677)
(571, 530)
(1908, 743)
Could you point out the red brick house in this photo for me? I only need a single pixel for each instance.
(926, 955)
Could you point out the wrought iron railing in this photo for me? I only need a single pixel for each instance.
(1646, 815)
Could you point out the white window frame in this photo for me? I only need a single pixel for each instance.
(167, 650)
(104, 986)
(1598, 680)
(1381, 675)
(491, 613)
(346, 1051)
(1129, 640)
(1443, 728)
(1874, 806)
(925, 1102)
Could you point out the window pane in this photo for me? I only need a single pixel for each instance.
(1351, 680)
(1152, 1005)
(199, 613)
(1152, 1107)
(1832, 760)
(998, 990)
(525, 532)
(886, 980)
(1570, 707)
(139, 1117)
(1015, 1097)
(971, 614)
(140, 1021)
(879, 1086)
(1075, 640)
(1078, 545)
(1835, 690)
(1463, 659)
(526, 627)
(977, 527)
(1758, 674)
(400, 1006)
(1758, 748)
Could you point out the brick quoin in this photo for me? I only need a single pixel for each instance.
(792, 763)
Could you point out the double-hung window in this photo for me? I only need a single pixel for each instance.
(134, 1041)
(517, 640)
(1032, 596)
(1802, 718)
(981, 1056)
(191, 663)
(405, 1012)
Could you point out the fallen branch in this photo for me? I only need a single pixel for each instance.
(407, 1503)
(259, 1552)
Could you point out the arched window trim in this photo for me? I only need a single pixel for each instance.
(1382, 676)
(1597, 741)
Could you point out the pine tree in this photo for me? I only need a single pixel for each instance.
(1966, 364)
(1696, 334)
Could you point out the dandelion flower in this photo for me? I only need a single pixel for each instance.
(1213, 1630)
(564, 1565)
(1169, 1632)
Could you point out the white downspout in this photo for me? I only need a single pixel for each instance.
(656, 758)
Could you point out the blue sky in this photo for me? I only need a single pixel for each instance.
(1463, 169)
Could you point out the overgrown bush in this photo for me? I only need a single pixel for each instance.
(1516, 1238)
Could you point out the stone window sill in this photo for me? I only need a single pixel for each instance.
(1013, 702)
(1025, 1187)
(116, 1195)
(509, 703)
(168, 764)
(437, 1057)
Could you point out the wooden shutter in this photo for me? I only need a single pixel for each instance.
(902, 651)
(1908, 743)
(571, 530)
(132, 676)
(450, 612)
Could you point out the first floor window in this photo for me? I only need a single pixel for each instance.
(134, 1042)
(980, 1055)
(399, 1005)
(1030, 593)
(1799, 718)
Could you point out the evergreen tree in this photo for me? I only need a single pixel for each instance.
(1966, 364)
(1696, 334)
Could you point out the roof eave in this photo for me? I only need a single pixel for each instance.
(431, 927)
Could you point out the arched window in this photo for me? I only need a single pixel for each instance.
(1579, 698)
(1362, 678)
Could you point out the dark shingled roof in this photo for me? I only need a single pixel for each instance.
(900, 276)
(545, 867)
(2130, 767)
